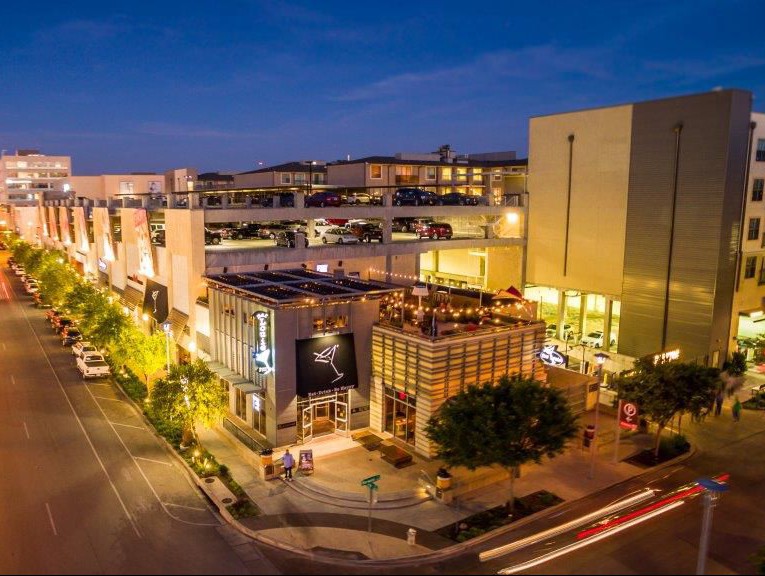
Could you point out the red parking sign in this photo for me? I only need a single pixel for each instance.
(628, 415)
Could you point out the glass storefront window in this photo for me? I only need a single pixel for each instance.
(400, 415)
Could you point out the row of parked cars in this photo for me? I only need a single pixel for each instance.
(401, 197)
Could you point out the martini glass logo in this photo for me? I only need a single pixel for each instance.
(154, 296)
(327, 356)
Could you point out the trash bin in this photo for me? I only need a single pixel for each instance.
(589, 435)
(411, 536)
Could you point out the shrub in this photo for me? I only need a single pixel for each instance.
(673, 446)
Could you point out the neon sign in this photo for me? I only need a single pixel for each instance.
(550, 355)
(262, 352)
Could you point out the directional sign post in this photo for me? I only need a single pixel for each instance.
(370, 483)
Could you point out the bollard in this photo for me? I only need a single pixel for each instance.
(411, 535)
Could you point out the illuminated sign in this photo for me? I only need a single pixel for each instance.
(255, 403)
(628, 415)
(322, 267)
(550, 356)
(102, 266)
(667, 356)
(326, 365)
(262, 352)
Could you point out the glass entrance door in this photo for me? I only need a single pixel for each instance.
(341, 417)
(307, 424)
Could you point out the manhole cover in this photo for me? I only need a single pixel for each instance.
(209, 480)
(227, 500)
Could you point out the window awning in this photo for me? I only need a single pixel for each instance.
(234, 379)
(178, 321)
(247, 387)
(754, 314)
(132, 298)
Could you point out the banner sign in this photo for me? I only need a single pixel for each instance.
(628, 415)
(143, 240)
(52, 222)
(326, 365)
(155, 301)
(81, 230)
(63, 220)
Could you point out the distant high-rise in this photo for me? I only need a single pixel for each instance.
(27, 173)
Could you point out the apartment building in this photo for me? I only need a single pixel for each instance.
(287, 174)
(27, 174)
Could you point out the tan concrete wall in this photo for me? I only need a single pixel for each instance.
(599, 184)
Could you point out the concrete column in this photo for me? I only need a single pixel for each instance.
(607, 324)
(387, 231)
(582, 313)
(224, 200)
(561, 313)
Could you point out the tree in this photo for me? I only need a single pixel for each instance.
(516, 421)
(665, 389)
(189, 394)
(145, 353)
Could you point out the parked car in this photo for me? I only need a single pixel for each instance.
(269, 231)
(286, 200)
(359, 198)
(414, 197)
(595, 339)
(70, 335)
(83, 347)
(324, 198)
(212, 237)
(31, 287)
(290, 238)
(247, 230)
(552, 331)
(93, 366)
(319, 227)
(60, 323)
(366, 231)
(455, 199)
(434, 230)
(339, 236)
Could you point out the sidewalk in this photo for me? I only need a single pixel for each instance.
(328, 512)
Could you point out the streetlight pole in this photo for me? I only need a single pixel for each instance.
(166, 327)
(712, 491)
(601, 358)
(311, 164)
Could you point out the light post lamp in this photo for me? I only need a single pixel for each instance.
(166, 327)
(600, 358)
(712, 492)
(311, 164)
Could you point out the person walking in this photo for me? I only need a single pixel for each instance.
(736, 410)
(289, 462)
(719, 402)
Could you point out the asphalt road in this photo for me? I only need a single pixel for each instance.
(85, 486)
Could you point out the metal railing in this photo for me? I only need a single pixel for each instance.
(242, 436)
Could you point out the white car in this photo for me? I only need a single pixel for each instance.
(595, 339)
(80, 348)
(339, 235)
(93, 366)
(320, 226)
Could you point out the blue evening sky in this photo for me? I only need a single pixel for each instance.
(224, 86)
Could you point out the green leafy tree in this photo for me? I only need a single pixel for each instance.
(56, 280)
(189, 394)
(145, 353)
(516, 421)
(666, 389)
(105, 325)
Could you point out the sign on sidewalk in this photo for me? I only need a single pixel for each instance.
(628, 415)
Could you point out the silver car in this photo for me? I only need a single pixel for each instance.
(339, 236)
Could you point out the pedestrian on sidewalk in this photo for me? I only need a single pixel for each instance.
(289, 462)
(736, 410)
(719, 402)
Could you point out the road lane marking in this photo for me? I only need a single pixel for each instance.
(13, 380)
(153, 461)
(84, 431)
(105, 398)
(26, 430)
(126, 425)
(184, 506)
(50, 517)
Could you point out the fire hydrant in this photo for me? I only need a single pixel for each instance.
(411, 535)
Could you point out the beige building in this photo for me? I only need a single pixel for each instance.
(288, 174)
(109, 186)
(749, 299)
(635, 218)
(26, 175)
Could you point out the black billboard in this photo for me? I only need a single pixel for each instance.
(326, 365)
(155, 300)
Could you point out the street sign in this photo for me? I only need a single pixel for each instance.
(628, 415)
(370, 481)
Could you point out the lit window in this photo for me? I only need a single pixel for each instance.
(430, 173)
(375, 171)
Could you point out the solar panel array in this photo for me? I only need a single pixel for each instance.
(283, 286)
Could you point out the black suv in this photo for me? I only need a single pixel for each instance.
(212, 236)
(414, 197)
(248, 230)
(289, 238)
(367, 231)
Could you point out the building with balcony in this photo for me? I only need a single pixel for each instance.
(288, 174)
(26, 175)
(637, 215)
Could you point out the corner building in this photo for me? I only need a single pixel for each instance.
(635, 220)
